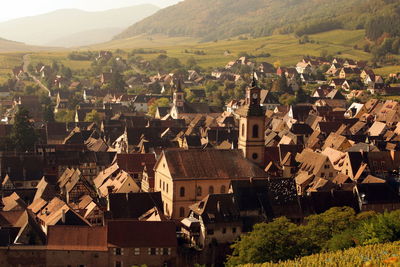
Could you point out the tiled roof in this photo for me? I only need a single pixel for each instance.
(82, 238)
(137, 234)
(210, 164)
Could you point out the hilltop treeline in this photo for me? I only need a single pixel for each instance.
(216, 19)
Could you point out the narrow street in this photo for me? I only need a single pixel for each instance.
(26, 63)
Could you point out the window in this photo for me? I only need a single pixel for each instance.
(118, 251)
(243, 129)
(330, 174)
(182, 192)
(199, 191)
(224, 230)
(255, 131)
(254, 156)
(166, 251)
(163, 186)
(210, 231)
(136, 251)
(322, 174)
(326, 166)
(160, 184)
(234, 230)
(181, 212)
(211, 190)
(118, 264)
(223, 189)
(152, 251)
(167, 188)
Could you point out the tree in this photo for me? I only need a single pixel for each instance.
(278, 240)
(381, 228)
(117, 81)
(23, 134)
(161, 102)
(48, 113)
(65, 116)
(93, 116)
(191, 62)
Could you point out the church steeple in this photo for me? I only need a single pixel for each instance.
(252, 125)
(179, 95)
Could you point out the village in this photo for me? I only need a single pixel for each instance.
(170, 165)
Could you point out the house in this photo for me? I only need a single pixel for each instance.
(216, 217)
(182, 109)
(122, 182)
(268, 100)
(313, 165)
(133, 243)
(378, 197)
(186, 176)
(340, 83)
(120, 243)
(346, 73)
(73, 185)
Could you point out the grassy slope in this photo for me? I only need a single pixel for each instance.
(374, 255)
(284, 48)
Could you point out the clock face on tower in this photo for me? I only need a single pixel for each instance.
(255, 96)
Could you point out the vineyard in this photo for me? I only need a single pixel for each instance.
(373, 255)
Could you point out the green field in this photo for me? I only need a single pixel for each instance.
(284, 49)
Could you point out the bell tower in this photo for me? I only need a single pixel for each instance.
(252, 126)
(179, 95)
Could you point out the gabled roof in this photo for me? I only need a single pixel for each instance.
(217, 208)
(82, 238)
(210, 164)
(134, 205)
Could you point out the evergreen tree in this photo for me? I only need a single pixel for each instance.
(48, 114)
(117, 81)
(23, 134)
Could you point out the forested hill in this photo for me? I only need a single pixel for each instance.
(216, 19)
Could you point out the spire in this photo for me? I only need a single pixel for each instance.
(179, 86)
(254, 82)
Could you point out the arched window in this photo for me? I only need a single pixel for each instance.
(223, 189)
(181, 212)
(211, 190)
(182, 192)
(198, 191)
(243, 129)
(255, 131)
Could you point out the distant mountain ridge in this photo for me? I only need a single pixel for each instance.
(217, 19)
(50, 28)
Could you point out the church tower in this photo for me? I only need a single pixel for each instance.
(179, 95)
(252, 126)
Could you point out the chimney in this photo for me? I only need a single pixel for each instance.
(63, 216)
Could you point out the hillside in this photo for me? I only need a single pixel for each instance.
(219, 19)
(50, 28)
(283, 48)
(7, 46)
(85, 38)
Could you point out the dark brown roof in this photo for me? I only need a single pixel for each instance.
(137, 234)
(134, 163)
(210, 164)
(134, 205)
(63, 237)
